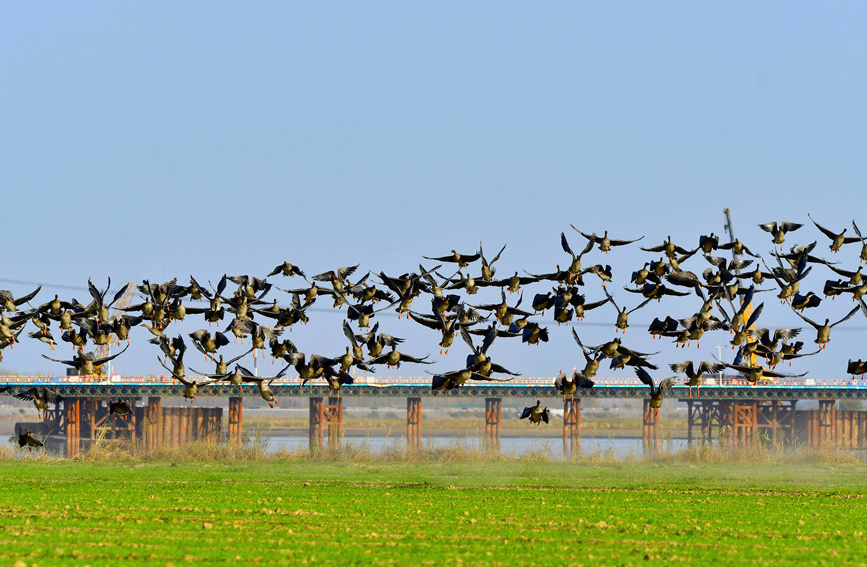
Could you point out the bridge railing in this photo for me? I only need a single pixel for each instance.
(725, 381)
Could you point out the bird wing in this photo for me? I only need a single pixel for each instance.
(73, 363)
(824, 230)
(622, 242)
(408, 358)
(847, 317)
(99, 361)
(684, 367)
(27, 395)
(642, 304)
(426, 321)
(502, 370)
(28, 297)
(239, 357)
(710, 367)
(611, 299)
(565, 244)
(813, 323)
(644, 376)
(786, 334)
(483, 378)
(772, 374)
(754, 317)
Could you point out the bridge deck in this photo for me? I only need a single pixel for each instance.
(420, 387)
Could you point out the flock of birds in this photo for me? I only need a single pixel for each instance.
(725, 290)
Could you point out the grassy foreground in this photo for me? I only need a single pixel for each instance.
(427, 513)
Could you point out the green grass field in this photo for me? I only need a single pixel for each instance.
(428, 513)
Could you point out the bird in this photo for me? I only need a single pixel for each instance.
(755, 373)
(536, 413)
(478, 360)
(823, 332)
(568, 385)
(27, 438)
(669, 248)
(659, 328)
(532, 334)
(591, 361)
(622, 314)
(604, 273)
(447, 327)
(207, 344)
(40, 398)
(738, 248)
(837, 240)
(488, 269)
(574, 269)
(10, 303)
(394, 358)
(287, 269)
(336, 379)
(265, 386)
(120, 407)
(87, 364)
(856, 367)
(45, 337)
(863, 256)
(778, 231)
(462, 260)
(604, 243)
(801, 302)
(656, 391)
(694, 376)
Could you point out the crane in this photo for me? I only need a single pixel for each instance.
(125, 300)
(749, 310)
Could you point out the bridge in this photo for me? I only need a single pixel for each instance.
(738, 412)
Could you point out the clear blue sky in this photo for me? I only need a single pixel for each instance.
(177, 138)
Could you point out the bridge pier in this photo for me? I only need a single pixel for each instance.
(827, 423)
(236, 411)
(324, 414)
(493, 413)
(571, 426)
(697, 414)
(152, 425)
(739, 419)
(851, 429)
(650, 430)
(413, 423)
(72, 417)
(776, 419)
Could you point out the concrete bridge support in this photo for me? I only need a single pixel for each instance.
(775, 420)
(830, 427)
(741, 422)
(152, 425)
(72, 419)
(325, 414)
(236, 411)
(493, 414)
(650, 430)
(571, 426)
(413, 423)
(185, 424)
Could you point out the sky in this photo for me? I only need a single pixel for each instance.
(159, 140)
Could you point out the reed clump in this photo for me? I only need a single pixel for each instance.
(755, 453)
(104, 449)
